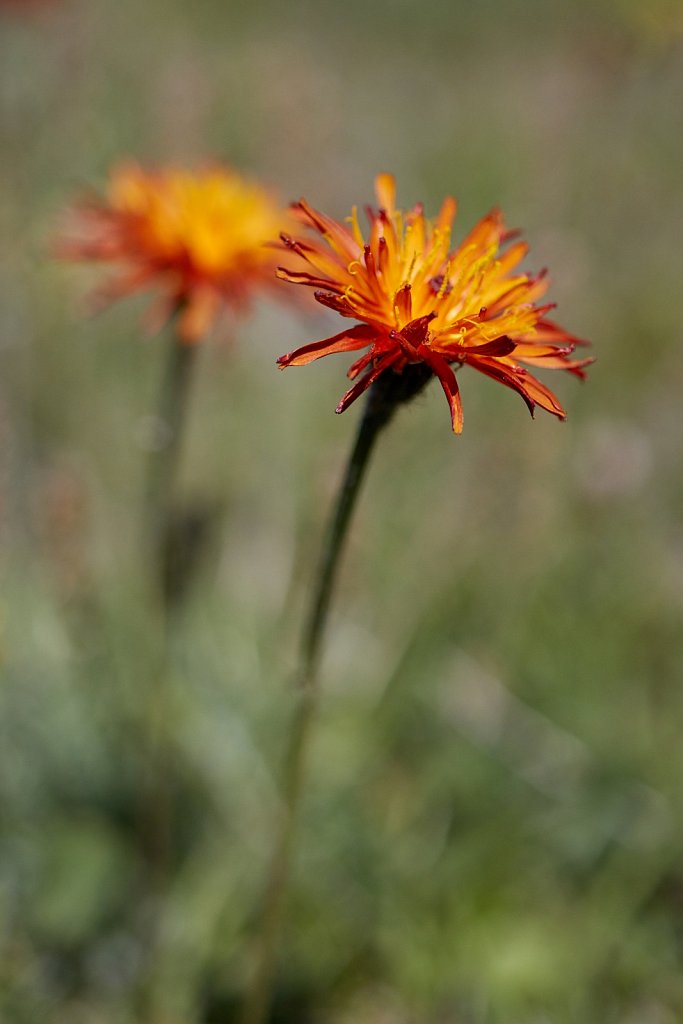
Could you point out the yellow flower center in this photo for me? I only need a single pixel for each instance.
(214, 219)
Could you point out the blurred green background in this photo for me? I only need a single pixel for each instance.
(493, 829)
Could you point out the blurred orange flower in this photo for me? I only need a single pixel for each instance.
(419, 302)
(201, 238)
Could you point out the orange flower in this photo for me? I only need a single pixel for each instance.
(419, 302)
(201, 238)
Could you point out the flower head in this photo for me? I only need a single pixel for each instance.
(420, 302)
(201, 238)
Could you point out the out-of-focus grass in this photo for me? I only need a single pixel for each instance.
(493, 826)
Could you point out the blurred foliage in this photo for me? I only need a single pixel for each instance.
(493, 827)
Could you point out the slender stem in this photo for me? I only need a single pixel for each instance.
(376, 415)
(163, 461)
(155, 809)
(380, 406)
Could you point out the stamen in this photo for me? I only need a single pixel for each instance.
(440, 283)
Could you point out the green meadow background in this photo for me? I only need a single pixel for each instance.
(493, 828)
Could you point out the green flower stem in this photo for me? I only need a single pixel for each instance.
(158, 517)
(163, 463)
(155, 807)
(383, 399)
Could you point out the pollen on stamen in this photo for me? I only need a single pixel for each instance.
(355, 227)
(440, 285)
(411, 268)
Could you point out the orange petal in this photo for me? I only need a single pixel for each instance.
(385, 190)
(447, 213)
(341, 240)
(384, 363)
(448, 382)
(346, 341)
(403, 302)
(532, 391)
(502, 346)
(300, 277)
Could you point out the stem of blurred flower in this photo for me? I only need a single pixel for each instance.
(384, 397)
(163, 461)
(155, 810)
(159, 519)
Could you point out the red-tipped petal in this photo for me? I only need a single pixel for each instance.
(324, 261)
(547, 330)
(341, 240)
(532, 391)
(382, 364)
(417, 331)
(502, 346)
(300, 277)
(554, 362)
(346, 341)
(361, 364)
(403, 302)
(336, 302)
(448, 382)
